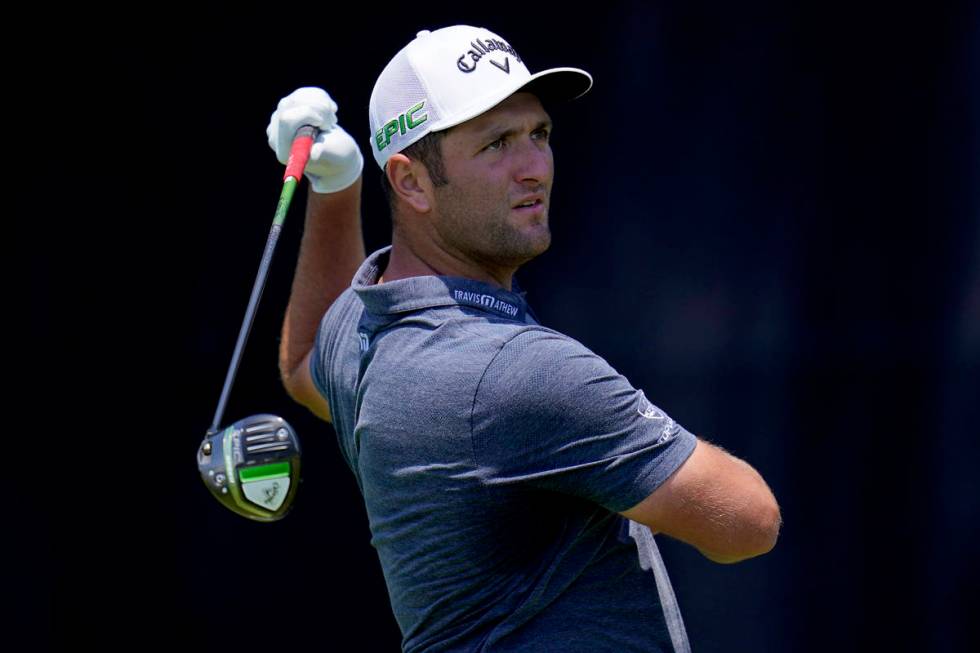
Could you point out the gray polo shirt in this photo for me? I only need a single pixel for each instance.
(493, 455)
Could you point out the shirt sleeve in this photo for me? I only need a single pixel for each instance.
(333, 368)
(336, 320)
(551, 413)
(318, 361)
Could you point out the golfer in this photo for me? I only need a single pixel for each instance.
(513, 479)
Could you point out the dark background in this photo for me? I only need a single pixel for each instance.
(766, 215)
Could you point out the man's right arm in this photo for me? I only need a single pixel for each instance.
(716, 503)
(332, 247)
(330, 252)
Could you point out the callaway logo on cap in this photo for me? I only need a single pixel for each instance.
(448, 76)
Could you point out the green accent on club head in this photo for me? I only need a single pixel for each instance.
(251, 491)
(263, 472)
(288, 188)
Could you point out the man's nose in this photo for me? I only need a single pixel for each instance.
(535, 162)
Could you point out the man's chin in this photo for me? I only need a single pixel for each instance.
(546, 244)
(537, 244)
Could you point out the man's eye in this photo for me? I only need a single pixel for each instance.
(543, 134)
(496, 145)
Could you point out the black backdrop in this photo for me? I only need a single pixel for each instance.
(766, 215)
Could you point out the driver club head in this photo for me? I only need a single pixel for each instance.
(252, 466)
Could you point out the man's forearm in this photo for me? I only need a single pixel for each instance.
(330, 252)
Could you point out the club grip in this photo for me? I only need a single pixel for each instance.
(299, 153)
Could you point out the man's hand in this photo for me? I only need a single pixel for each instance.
(335, 160)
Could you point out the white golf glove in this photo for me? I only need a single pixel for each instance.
(335, 160)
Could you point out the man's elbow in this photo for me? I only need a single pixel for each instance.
(289, 384)
(300, 388)
(291, 391)
(295, 378)
(757, 536)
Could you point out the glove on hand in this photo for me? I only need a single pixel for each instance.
(335, 160)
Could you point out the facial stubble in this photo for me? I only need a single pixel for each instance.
(494, 236)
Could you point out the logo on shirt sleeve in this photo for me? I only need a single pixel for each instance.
(646, 409)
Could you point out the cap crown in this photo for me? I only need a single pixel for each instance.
(441, 79)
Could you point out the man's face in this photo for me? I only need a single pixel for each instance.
(495, 162)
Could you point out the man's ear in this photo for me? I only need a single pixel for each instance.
(410, 181)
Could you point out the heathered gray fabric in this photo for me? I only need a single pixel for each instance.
(650, 559)
(493, 455)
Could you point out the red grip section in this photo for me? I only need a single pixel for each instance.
(299, 154)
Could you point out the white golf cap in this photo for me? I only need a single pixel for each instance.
(450, 75)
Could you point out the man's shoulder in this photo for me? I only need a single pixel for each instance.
(437, 337)
(500, 330)
(344, 310)
(536, 362)
(518, 344)
(535, 343)
(338, 321)
(345, 301)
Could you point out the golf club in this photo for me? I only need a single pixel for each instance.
(252, 466)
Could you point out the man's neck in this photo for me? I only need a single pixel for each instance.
(404, 263)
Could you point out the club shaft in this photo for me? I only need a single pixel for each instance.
(288, 189)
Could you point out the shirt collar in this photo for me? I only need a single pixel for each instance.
(416, 293)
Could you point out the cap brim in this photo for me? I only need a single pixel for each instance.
(558, 84)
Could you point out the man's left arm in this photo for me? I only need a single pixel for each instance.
(573, 425)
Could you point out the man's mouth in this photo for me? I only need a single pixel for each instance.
(531, 204)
